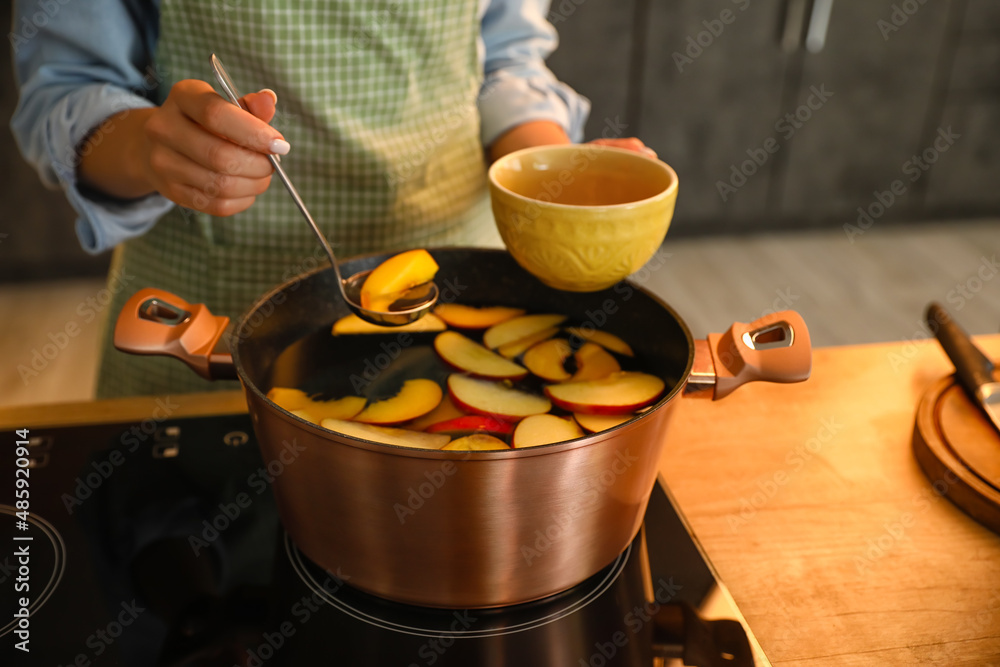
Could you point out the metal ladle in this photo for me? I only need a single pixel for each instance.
(415, 302)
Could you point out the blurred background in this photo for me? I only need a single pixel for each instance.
(838, 158)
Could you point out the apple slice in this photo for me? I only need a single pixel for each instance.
(486, 397)
(547, 359)
(301, 405)
(469, 317)
(622, 392)
(288, 398)
(469, 424)
(417, 397)
(387, 434)
(598, 423)
(519, 346)
(341, 408)
(608, 341)
(471, 357)
(518, 328)
(593, 362)
(352, 324)
(544, 430)
(476, 442)
(393, 277)
(444, 411)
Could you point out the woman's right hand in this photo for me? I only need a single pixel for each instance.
(196, 149)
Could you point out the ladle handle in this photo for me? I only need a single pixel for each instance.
(234, 96)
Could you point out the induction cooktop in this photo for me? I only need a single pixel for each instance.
(159, 543)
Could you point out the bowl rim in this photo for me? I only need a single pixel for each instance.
(664, 194)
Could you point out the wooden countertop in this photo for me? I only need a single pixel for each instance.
(808, 501)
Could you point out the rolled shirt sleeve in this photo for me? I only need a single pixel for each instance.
(517, 86)
(77, 63)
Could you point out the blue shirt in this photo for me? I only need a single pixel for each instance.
(79, 62)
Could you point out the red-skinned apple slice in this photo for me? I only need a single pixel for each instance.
(608, 341)
(619, 393)
(598, 423)
(544, 430)
(547, 359)
(388, 435)
(444, 411)
(469, 317)
(489, 398)
(471, 357)
(593, 362)
(519, 327)
(417, 397)
(476, 442)
(511, 350)
(468, 424)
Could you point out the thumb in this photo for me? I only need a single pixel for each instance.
(262, 104)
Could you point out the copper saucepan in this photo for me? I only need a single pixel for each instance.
(447, 528)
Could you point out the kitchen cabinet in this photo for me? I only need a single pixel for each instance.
(788, 114)
(971, 104)
(880, 63)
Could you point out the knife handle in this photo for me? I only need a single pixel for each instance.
(971, 365)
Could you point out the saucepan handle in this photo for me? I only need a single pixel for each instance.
(773, 348)
(155, 322)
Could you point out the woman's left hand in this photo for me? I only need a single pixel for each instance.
(628, 143)
(545, 133)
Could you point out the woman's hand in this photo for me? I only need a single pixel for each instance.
(545, 133)
(629, 143)
(197, 149)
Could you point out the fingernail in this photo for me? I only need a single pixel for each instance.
(279, 146)
(271, 93)
(649, 151)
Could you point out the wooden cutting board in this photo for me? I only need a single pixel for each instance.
(959, 450)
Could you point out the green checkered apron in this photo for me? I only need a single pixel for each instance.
(378, 100)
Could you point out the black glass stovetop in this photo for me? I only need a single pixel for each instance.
(159, 543)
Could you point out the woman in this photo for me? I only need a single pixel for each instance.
(385, 110)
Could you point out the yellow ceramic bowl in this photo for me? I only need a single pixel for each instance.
(581, 217)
